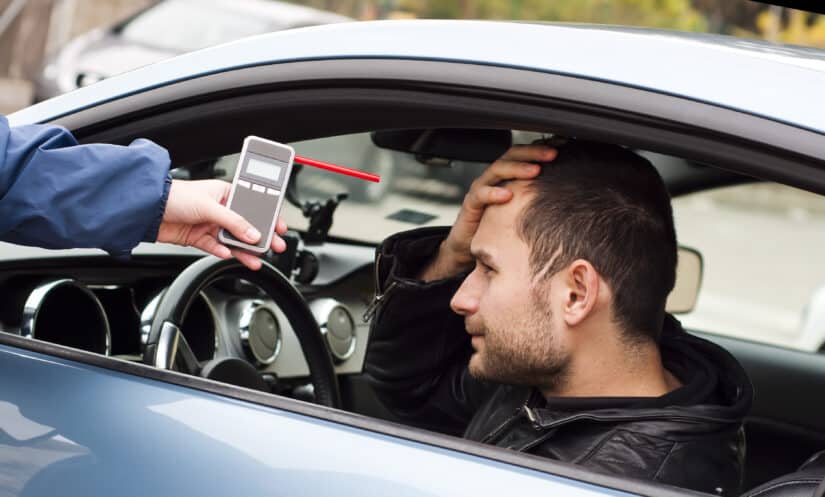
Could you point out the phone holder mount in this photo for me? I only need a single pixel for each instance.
(319, 212)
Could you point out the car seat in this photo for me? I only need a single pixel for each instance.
(801, 483)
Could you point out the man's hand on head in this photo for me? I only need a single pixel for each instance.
(519, 162)
(196, 210)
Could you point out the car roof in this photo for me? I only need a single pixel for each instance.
(780, 82)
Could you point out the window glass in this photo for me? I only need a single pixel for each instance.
(764, 278)
(409, 195)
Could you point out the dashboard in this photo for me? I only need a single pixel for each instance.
(84, 299)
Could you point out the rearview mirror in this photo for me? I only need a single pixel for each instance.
(440, 146)
(682, 298)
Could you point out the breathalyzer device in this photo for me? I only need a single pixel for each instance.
(259, 188)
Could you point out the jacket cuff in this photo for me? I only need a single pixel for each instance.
(152, 233)
(140, 212)
(405, 255)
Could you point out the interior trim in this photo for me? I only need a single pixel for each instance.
(811, 435)
(772, 368)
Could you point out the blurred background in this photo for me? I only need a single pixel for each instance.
(48, 47)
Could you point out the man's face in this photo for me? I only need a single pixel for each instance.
(515, 337)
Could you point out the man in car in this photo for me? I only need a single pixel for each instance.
(537, 323)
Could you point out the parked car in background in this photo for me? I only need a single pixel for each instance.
(165, 29)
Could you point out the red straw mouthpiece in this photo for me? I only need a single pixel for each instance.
(355, 173)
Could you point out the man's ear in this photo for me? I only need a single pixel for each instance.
(581, 291)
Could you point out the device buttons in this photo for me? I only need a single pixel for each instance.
(258, 188)
(271, 191)
(244, 184)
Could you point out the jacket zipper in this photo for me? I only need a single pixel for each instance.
(379, 294)
(649, 417)
(522, 409)
(376, 302)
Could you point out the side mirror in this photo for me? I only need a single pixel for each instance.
(682, 298)
(812, 336)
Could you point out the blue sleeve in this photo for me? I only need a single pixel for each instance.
(57, 194)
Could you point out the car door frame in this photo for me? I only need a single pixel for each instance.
(461, 93)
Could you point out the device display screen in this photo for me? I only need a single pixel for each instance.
(263, 169)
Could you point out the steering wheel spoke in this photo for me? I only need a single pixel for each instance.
(186, 358)
(173, 349)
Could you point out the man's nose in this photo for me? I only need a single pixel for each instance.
(465, 300)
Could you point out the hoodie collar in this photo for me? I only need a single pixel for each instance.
(715, 388)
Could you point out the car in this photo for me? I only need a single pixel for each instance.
(156, 33)
(108, 384)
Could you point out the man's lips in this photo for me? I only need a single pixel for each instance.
(473, 330)
(476, 336)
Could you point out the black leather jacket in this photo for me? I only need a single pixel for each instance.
(417, 363)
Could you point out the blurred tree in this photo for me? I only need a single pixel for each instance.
(726, 15)
(675, 14)
(795, 26)
(737, 17)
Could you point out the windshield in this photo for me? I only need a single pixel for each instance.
(741, 268)
(205, 24)
(409, 195)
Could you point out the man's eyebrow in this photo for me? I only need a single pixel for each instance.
(482, 255)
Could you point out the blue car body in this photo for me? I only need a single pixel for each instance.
(75, 424)
(73, 429)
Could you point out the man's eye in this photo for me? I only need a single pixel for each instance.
(484, 267)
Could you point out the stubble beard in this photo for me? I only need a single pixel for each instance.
(521, 350)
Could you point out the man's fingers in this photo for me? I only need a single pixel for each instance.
(218, 189)
(503, 170)
(280, 227)
(473, 208)
(251, 261)
(530, 153)
(278, 244)
(507, 170)
(520, 162)
(209, 244)
(481, 195)
(233, 222)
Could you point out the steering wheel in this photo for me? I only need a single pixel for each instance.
(166, 345)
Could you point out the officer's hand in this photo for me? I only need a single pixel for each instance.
(517, 163)
(195, 210)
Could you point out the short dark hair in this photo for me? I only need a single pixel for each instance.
(607, 205)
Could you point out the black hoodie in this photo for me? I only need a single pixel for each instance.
(417, 363)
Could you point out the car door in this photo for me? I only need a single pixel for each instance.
(83, 425)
